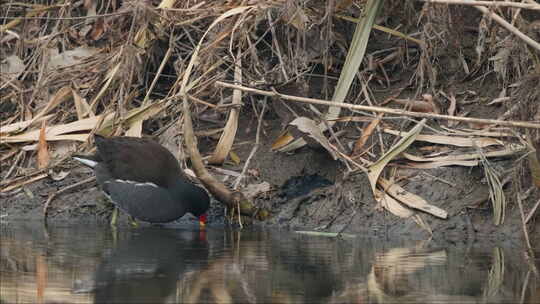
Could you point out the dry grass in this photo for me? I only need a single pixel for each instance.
(122, 67)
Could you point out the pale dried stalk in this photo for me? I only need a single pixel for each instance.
(521, 124)
(485, 3)
(227, 137)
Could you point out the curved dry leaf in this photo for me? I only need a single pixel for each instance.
(481, 142)
(110, 76)
(283, 140)
(234, 157)
(309, 127)
(359, 144)
(81, 106)
(58, 98)
(58, 132)
(194, 57)
(166, 4)
(21, 125)
(411, 200)
(135, 130)
(466, 156)
(447, 163)
(376, 169)
(354, 58)
(392, 205)
(232, 123)
(226, 139)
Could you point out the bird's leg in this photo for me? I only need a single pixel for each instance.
(133, 221)
(114, 217)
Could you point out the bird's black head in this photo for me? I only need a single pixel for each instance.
(200, 201)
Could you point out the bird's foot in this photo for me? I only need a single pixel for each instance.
(114, 217)
(133, 222)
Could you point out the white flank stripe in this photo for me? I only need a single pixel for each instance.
(136, 184)
(88, 162)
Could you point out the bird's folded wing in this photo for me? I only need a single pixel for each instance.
(144, 201)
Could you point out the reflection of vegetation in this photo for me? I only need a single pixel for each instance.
(29, 276)
(496, 275)
(160, 265)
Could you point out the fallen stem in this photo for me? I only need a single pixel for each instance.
(522, 124)
(218, 189)
(485, 3)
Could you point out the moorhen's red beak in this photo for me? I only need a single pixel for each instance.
(202, 220)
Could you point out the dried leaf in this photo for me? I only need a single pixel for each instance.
(110, 76)
(376, 169)
(359, 144)
(167, 4)
(447, 163)
(19, 126)
(309, 127)
(135, 130)
(234, 157)
(229, 133)
(392, 205)
(58, 98)
(453, 140)
(406, 141)
(412, 200)
(496, 192)
(58, 132)
(354, 58)
(466, 156)
(81, 106)
(283, 140)
(43, 149)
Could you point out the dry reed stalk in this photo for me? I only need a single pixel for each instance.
(521, 124)
(494, 4)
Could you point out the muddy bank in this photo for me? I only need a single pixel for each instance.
(308, 192)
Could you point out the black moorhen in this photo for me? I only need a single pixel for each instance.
(144, 179)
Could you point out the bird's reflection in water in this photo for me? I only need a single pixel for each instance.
(227, 266)
(145, 267)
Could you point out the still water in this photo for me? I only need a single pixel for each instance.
(92, 264)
